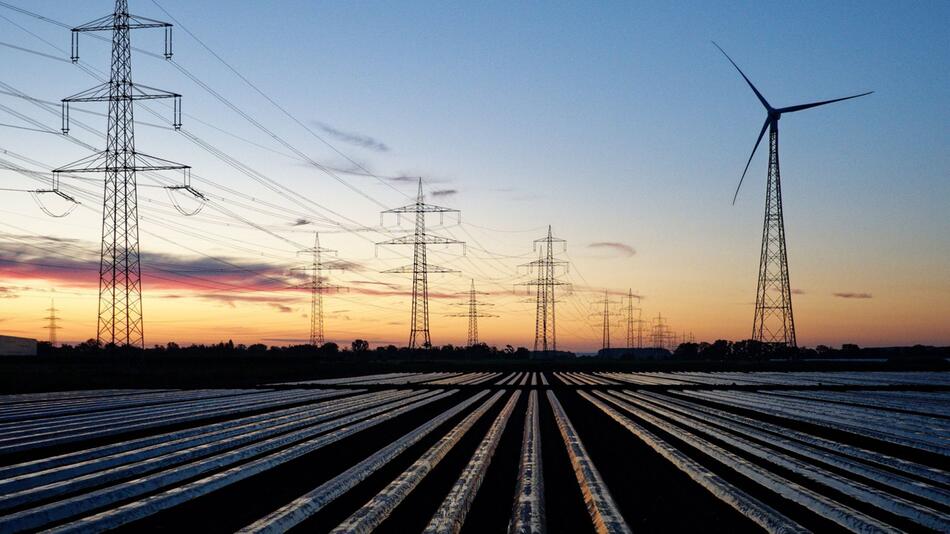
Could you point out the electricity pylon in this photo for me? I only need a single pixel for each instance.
(120, 277)
(632, 318)
(607, 315)
(318, 286)
(420, 268)
(773, 321)
(473, 314)
(52, 326)
(661, 335)
(545, 331)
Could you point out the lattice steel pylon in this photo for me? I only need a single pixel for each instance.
(633, 321)
(606, 317)
(120, 279)
(317, 284)
(773, 321)
(419, 335)
(545, 326)
(660, 336)
(52, 326)
(472, 313)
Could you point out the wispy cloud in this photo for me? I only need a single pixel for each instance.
(373, 283)
(281, 304)
(849, 295)
(70, 263)
(347, 265)
(614, 246)
(352, 138)
(527, 197)
(444, 192)
(8, 293)
(282, 308)
(412, 177)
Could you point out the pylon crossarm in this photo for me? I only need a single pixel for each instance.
(313, 250)
(107, 23)
(94, 163)
(145, 162)
(431, 268)
(120, 22)
(103, 93)
(543, 283)
(425, 208)
(103, 23)
(99, 162)
(427, 239)
(398, 270)
(543, 262)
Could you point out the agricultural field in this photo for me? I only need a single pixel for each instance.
(482, 452)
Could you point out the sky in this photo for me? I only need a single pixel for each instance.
(617, 123)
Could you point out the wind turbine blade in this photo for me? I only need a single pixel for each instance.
(816, 104)
(744, 171)
(746, 78)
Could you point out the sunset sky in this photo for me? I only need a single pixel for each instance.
(619, 124)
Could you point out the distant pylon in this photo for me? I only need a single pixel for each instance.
(640, 323)
(661, 335)
(318, 286)
(607, 317)
(120, 278)
(545, 331)
(52, 326)
(634, 324)
(472, 313)
(420, 268)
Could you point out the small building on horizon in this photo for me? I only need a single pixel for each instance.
(17, 346)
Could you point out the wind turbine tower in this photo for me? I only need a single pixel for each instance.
(773, 321)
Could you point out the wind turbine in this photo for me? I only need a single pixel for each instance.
(773, 321)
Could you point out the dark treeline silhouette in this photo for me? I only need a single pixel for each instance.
(750, 350)
(358, 350)
(227, 364)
